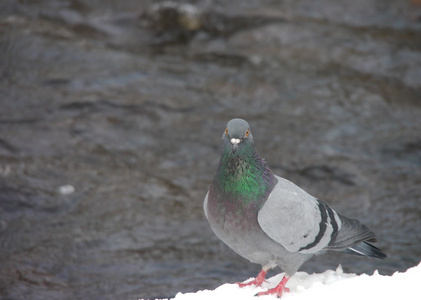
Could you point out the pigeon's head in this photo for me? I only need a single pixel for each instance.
(237, 135)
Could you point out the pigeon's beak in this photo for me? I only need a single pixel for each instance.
(234, 144)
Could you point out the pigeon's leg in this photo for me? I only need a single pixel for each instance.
(279, 289)
(257, 281)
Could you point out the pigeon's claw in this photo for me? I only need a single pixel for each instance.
(278, 290)
(260, 278)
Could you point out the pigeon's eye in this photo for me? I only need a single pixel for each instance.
(226, 130)
(247, 133)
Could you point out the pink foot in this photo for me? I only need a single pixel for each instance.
(257, 281)
(278, 290)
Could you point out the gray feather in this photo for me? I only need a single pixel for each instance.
(292, 217)
(353, 238)
(352, 232)
(365, 249)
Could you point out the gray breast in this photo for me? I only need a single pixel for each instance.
(245, 237)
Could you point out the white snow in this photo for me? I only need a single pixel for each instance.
(328, 285)
(66, 189)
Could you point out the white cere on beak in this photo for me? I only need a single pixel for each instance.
(235, 141)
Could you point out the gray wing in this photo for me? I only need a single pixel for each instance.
(297, 220)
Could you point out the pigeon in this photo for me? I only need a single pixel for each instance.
(271, 221)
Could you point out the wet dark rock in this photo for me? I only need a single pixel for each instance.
(326, 173)
(175, 22)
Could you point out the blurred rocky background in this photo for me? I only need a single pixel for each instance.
(111, 114)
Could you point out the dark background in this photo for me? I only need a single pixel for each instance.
(126, 101)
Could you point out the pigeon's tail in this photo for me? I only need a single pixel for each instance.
(354, 238)
(365, 249)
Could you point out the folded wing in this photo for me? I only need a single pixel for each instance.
(297, 220)
(303, 224)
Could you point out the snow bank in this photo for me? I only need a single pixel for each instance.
(327, 285)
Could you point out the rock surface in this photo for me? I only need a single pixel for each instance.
(98, 97)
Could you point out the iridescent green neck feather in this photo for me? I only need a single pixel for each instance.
(243, 178)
